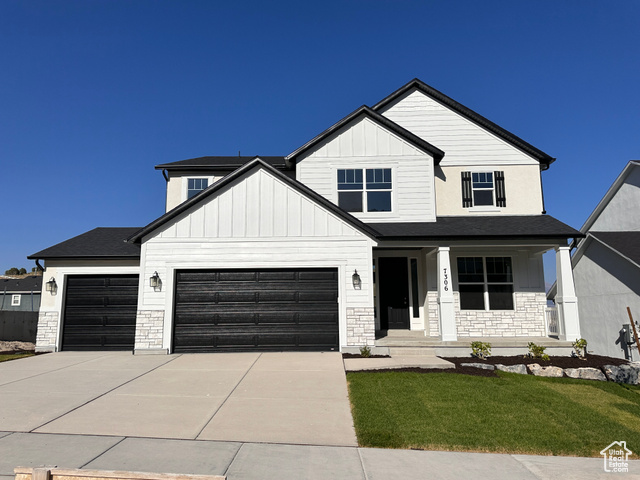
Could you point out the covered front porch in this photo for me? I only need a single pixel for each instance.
(438, 298)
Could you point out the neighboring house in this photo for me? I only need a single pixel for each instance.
(606, 267)
(20, 294)
(417, 215)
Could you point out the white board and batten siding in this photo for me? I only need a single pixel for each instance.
(365, 144)
(256, 222)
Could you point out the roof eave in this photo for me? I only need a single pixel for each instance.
(544, 159)
(256, 163)
(391, 125)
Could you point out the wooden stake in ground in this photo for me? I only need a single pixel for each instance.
(635, 332)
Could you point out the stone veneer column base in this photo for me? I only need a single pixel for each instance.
(361, 327)
(149, 331)
(46, 337)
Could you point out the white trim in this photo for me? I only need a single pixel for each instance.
(364, 215)
(185, 184)
(15, 300)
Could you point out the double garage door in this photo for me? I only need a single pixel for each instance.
(261, 310)
(214, 310)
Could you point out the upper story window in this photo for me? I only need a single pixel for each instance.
(196, 185)
(367, 190)
(485, 283)
(483, 189)
(15, 300)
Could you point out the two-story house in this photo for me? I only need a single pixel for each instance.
(415, 215)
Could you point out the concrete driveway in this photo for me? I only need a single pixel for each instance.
(293, 398)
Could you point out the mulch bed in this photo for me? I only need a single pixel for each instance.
(357, 355)
(595, 361)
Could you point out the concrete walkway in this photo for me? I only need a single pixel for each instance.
(269, 397)
(246, 416)
(264, 461)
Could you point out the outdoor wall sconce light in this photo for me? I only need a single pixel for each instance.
(51, 286)
(155, 281)
(355, 278)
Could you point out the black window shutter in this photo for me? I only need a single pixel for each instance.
(466, 190)
(501, 197)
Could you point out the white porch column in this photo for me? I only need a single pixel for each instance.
(446, 305)
(566, 299)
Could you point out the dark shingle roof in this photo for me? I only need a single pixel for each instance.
(481, 227)
(625, 243)
(97, 243)
(26, 284)
(219, 163)
(418, 84)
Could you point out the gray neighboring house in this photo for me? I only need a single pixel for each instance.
(20, 294)
(606, 267)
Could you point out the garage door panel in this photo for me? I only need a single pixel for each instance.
(263, 310)
(100, 312)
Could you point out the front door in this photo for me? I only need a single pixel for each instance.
(394, 293)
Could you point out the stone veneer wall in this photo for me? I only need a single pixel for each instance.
(46, 336)
(432, 312)
(361, 326)
(527, 320)
(149, 329)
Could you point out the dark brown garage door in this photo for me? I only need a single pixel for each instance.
(256, 310)
(100, 312)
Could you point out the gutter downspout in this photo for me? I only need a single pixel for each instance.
(166, 193)
(544, 209)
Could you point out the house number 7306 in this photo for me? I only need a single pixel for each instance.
(445, 279)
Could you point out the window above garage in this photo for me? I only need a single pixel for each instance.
(365, 190)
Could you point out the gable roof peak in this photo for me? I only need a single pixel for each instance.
(544, 159)
(379, 119)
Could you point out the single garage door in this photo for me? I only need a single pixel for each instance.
(256, 310)
(100, 312)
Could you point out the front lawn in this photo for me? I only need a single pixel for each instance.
(509, 413)
(14, 356)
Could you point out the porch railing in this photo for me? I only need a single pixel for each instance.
(551, 320)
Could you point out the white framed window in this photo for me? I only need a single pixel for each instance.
(483, 189)
(15, 300)
(485, 283)
(365, 190)
(196, 185)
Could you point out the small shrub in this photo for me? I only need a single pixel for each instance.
(365, 351)
(537, 351)
(480, 350)
(580, 348)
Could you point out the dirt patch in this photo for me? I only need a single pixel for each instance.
(14, 347)
(357, 355)
(594, 361)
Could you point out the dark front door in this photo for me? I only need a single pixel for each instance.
(394, 292)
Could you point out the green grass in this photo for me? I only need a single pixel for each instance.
(14, 356)
(510, 414)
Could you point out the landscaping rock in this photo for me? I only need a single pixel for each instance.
(585, 373)
(521, 369)
(629, 374)
(539, 371)
(485, 366)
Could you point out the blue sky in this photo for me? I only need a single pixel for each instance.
(93, 94)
